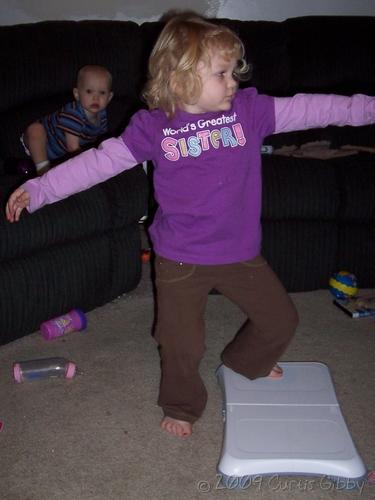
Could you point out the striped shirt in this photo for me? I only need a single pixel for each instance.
(71, 118)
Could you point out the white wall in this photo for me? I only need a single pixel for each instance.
(29, 11)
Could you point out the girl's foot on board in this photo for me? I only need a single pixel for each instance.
(183, 429)
(179, 428)
(276, 372)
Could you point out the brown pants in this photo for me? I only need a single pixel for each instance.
(182, 293)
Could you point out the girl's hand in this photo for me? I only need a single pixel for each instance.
(18, 200)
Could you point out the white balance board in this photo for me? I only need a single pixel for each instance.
(287, 426)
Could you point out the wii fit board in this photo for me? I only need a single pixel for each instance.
(287, 426)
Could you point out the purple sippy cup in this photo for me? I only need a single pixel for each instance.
(72, 321)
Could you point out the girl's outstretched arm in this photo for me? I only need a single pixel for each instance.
(75, 175)
(304, 111)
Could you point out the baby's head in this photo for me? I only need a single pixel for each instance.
(94, 88)
(186, 40)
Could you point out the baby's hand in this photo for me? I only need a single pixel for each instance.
(18, 200)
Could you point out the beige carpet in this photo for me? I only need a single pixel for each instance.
(97, 436)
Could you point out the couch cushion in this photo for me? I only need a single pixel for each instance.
(332, 54)
(319, 218)
(42, 59)
(356, 250)
(302, 255)
(356, 180)
(110, 205)
(299, 188)
(266, 49)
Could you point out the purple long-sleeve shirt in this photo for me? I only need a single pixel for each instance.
(207, 176)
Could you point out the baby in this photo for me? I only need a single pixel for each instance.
(76, 124)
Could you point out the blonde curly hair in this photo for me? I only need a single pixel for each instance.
(185, 40)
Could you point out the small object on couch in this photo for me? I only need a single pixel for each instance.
(267, 150)
(26, 168)
(343, 285)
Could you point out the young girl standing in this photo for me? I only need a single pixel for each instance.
(204, 138)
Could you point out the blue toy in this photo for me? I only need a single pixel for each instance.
(343, 285)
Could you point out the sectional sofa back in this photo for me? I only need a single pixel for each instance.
(330, 54)
(309, 54)
(41, 62)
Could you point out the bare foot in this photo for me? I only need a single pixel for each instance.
(276, 372)
(179, 428)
